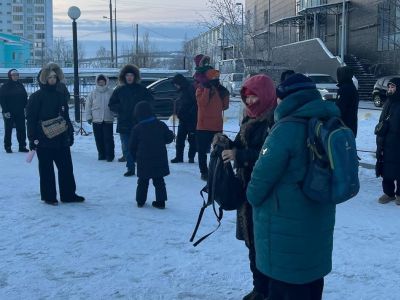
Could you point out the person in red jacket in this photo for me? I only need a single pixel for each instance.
(212, 99)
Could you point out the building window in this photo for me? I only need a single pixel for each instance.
(18, 18)
(266, 21)
(39, 26)
(39, 9)
(39, 36)
(39, 1)
(39, 19)
(388, 26)
(17, 9)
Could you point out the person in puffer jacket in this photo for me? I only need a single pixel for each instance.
(293, 234)
(99, 114)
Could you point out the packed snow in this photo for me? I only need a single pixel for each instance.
(108, 248)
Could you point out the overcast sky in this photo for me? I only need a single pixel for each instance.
(167, 24)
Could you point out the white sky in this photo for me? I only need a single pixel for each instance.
(135, 11)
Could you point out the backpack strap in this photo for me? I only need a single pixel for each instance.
(219, 217)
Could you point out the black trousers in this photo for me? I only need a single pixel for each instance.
(279, 290)
(104, 137)
(204, 139)
(260, 281)
(66, 181)
(143, 186)
(19, 121)
(183, 132)
(391, 187)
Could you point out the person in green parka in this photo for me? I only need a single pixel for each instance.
(293, 234)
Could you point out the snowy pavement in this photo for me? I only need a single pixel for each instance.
(107, 248)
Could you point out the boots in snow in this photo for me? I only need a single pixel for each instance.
(176, 160)
(385, 199)
(158, 204)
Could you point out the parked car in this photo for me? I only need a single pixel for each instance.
(233, 82)
(165, 94)
(380, 89)
(147, 81)
(326, 85)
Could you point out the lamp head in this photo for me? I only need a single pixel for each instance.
(74, 12)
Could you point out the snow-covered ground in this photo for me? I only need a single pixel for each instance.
(107, 248)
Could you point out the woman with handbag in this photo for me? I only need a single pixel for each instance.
(388, 145)
(51, 134)
(259, 97)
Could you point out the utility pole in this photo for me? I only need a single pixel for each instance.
(343, 31)
(115, 28)
(111, 35)
(137, 39)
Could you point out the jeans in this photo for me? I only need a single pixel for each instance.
(130, 164)
(183, 132)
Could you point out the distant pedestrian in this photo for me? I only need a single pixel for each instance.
(212, 99)
(123, 102)
(388, 145)
(187, 115)
(99, 114)
(148, 150)
(347, 98)
(50, 105)
(13, 100)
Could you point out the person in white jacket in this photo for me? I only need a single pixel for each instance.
(98, 113)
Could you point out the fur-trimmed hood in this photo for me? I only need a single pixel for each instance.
(46, 70)
(129, 69)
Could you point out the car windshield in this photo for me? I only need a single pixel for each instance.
(237, 77)
(322, 79)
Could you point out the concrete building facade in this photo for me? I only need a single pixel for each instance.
(372, 27)
(32, 20)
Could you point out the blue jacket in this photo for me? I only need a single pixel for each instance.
(293, 234)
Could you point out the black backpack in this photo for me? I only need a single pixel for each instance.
(223, 187)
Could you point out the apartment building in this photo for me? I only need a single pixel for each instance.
(32, 20)
(372, 26)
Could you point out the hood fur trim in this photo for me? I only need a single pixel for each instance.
(46, 70)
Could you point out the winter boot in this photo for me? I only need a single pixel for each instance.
(158, 204)
(110, 159)
(8, 150)
(176, 160)
(51, 202)
(75, 198)
(139, 204)
(122, 159)
(130, 173)
(385, 199)
(254, 295)
(23, 149)
(397, 201)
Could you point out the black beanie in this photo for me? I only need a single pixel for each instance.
(294, 83)
(143, 110)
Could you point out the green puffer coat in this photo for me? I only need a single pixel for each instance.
(293, 234)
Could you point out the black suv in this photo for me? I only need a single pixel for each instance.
(165, 94)
(380, 89)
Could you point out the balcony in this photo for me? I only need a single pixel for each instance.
(304, 4)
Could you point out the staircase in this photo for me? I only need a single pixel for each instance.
(366, 81)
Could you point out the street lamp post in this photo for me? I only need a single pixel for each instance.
(111, 35)
(241, 4)
(115, 29)
(74, 13)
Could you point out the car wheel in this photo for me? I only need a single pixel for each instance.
(377, 101)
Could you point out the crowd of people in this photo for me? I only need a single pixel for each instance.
(289, 237)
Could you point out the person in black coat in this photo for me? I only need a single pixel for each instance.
(187, 114)
(49, 102)
(123, 102)
(347, 98)
(388, 145)
(148, 150)
(13, 100)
